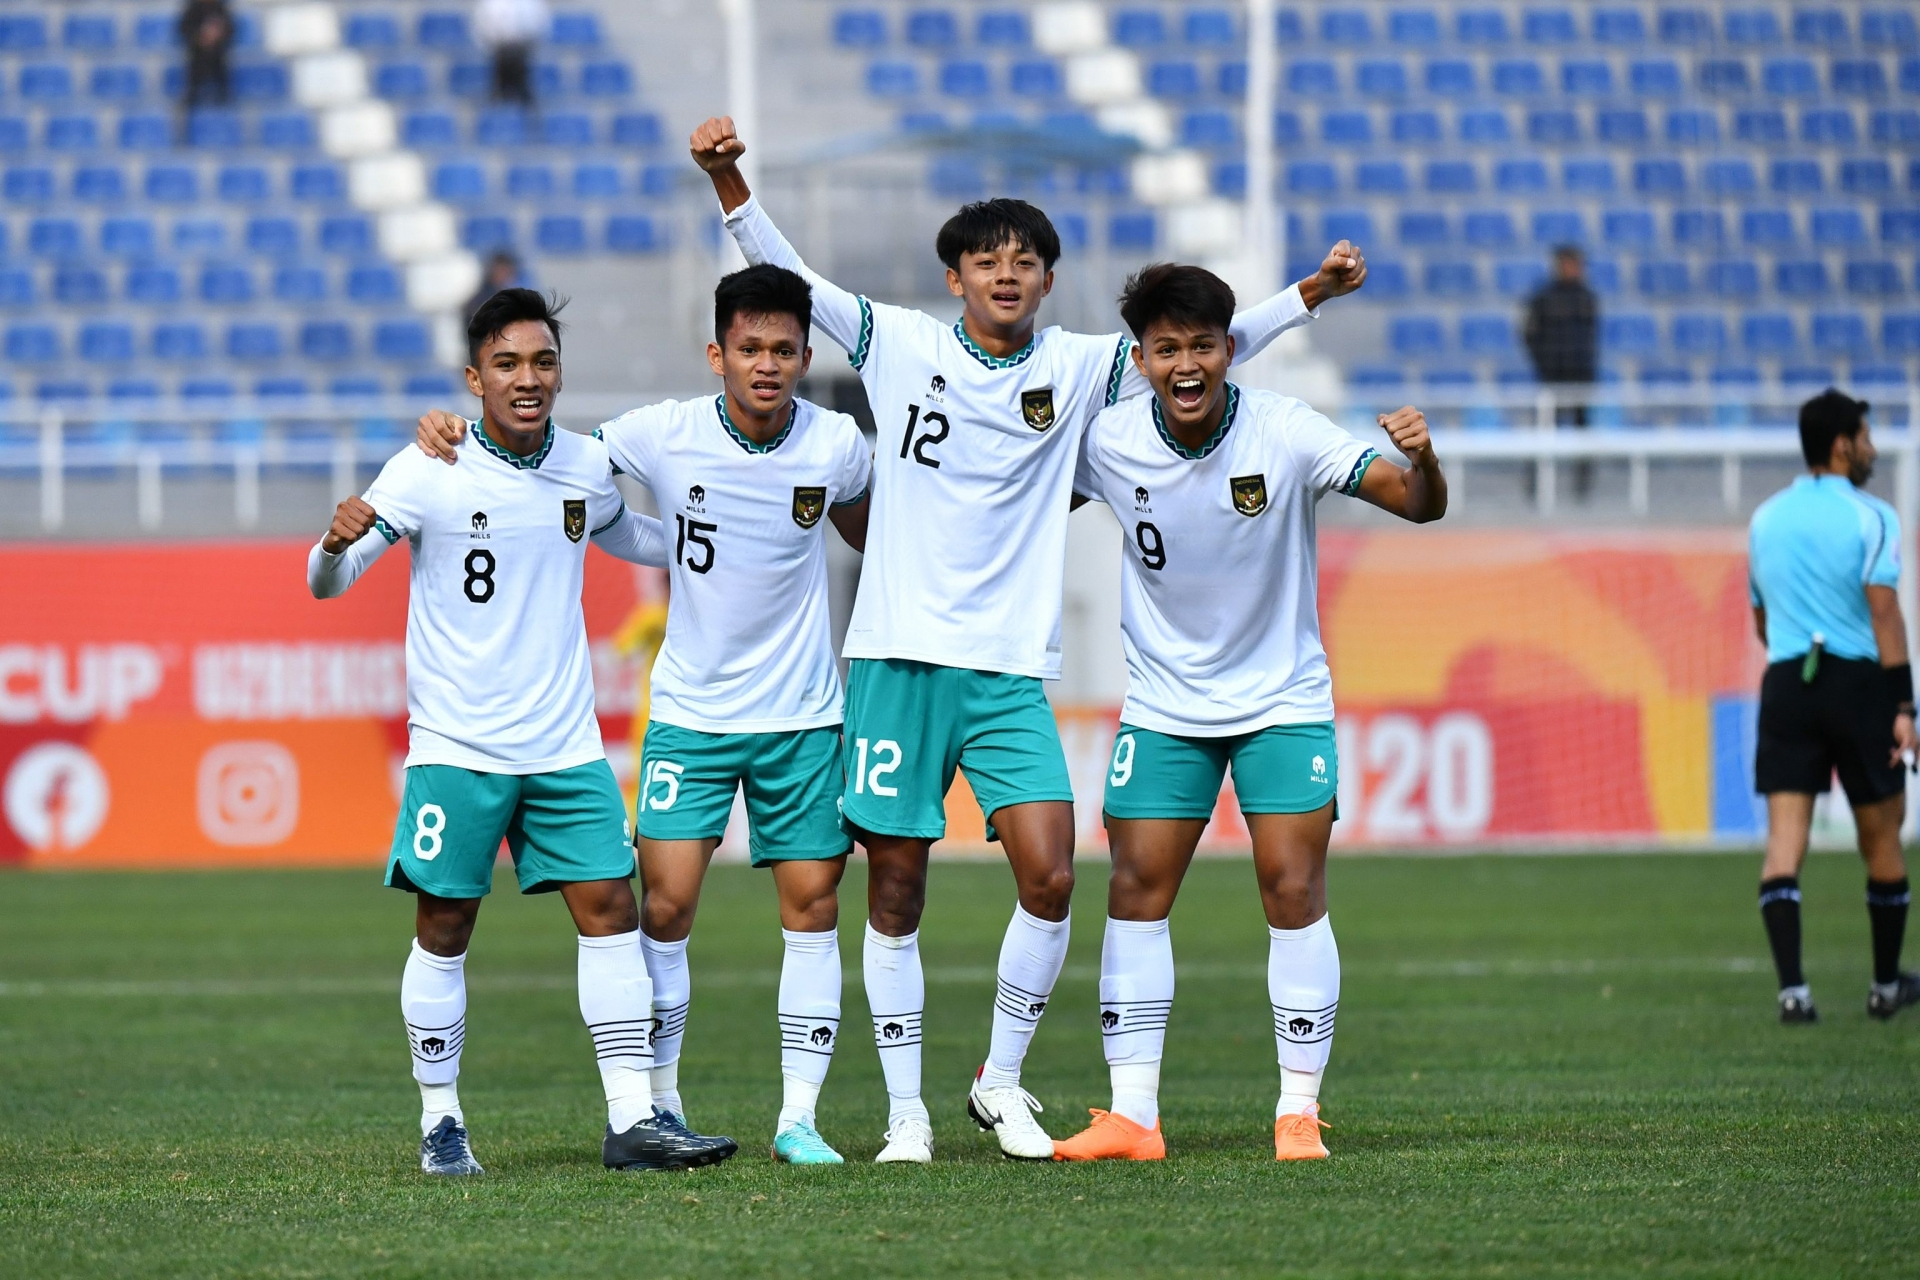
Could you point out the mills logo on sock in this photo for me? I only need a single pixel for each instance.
(892, 1031)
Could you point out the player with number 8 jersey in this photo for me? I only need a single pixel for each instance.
(504, 743)
(957, 618)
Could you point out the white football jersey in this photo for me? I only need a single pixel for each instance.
(749, 646)
(967, 539)
(1218, 613)
(499, 678)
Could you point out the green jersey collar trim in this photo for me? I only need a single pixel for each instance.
(386, 530)
(1213, 441)
(531, 462)
(1351, 488)
(793, 415)
(864, 347)
(1019, 357)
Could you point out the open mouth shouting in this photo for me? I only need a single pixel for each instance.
(1188, 392)
(528, 409)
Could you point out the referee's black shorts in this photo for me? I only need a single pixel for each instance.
(1841, 722)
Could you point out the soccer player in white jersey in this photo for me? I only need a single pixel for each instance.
(503, 742)
(957, 620)
(1215, 488)
(745, 691)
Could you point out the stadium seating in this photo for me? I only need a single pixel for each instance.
(134, 244)
(1761, 157)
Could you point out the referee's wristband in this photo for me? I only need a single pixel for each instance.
(1900, 685)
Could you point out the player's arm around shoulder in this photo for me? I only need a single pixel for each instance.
(1417, 491)
(853, 499)
(619, 531)
(439, 433)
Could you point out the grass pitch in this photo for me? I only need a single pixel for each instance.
(1545, 1067)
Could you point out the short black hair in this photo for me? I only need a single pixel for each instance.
(1184, 295)
(509, 307)
(986, 225)
(763, 290)
(1564, 252)
(1826, 418)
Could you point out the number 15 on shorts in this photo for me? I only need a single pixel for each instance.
(885, 756)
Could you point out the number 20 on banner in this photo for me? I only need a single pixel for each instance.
(1404, 779)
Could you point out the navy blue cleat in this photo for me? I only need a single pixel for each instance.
(446, 1151)
(663, 1141)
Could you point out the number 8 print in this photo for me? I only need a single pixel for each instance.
(426, 838)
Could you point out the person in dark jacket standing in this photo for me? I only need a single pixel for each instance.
(1563, 328)
(206, 31)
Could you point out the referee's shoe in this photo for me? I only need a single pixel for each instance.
(1884, 999)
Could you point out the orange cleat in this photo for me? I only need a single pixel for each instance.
(1112, 1136)
(1296, 1137)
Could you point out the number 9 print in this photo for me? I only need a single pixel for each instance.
(1122, 772)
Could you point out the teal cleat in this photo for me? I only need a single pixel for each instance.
(802, 1144)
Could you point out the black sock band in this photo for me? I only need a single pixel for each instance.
(1780, 912)
(1887, 912)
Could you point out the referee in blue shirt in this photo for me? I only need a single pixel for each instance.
(1824, 565)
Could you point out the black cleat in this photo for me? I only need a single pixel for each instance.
(662, 1142)
(1884, 1002)
(1798, 1009)
(447, 1152)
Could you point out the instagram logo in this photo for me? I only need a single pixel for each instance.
(249, 793)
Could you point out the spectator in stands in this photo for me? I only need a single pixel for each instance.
(503, 272)
(510, 29)
(206, 31)
(1562, 333)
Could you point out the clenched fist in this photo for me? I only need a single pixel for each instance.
(1343, 270)
(1407, 428)
(351, 520)
(715, 145)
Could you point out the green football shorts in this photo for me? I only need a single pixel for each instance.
(793, 789)
(561, 828)
(1286, 768)
(910, 724)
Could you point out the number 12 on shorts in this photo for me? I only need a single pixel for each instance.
(886, 758)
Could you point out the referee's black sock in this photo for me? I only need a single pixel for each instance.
(1780, 909)
(1887, 911)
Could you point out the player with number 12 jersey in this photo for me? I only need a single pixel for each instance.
(957, 619)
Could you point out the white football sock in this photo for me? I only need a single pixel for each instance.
(433, 1000)
(1303, 985)
(1136, 994)
(897, 994)
(616, 999)
(672, 991)
(809, 1008)
(1030, 958)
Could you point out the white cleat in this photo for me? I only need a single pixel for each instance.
(1008, 1113)
(908, 1142)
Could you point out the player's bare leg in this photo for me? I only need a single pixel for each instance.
(1038, 839)
(897, 987)
(1303, 966)
(1789, 820)
(809, 1004)
(672, 872)
(1150, 859)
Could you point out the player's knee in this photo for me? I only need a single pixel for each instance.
(895, 903)
(665, 917)
(1049, 893)
(1293, 903)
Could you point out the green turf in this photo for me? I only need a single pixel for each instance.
(1545, 1066)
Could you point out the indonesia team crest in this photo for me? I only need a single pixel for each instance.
(573, 518)
(1037, 408)
(1249, 494)
(808, 504)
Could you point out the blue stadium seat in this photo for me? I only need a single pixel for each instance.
(442, 30)
(1452, 177)
(1286, 129)
(1346, 128)
(1316, 76)
(1381, 177)
(596, 181)
(1900, 226)
(172, 184)
(501, 127)
(1896, 128)
(965, 78)
(859, 29)
(203, 389)
(401, 340)
(1654, 78)
(1841, 333)
(932, 29)
(1488, 228)
(1692, 127)
(259, 82)
(1230, 79)
(635, 233)
(143, 132)
(1728, 178)
(281, 387)
(54, 238)
(1481, 26)
(402, 81)
(531, 181)
(1520, 177)
(253, 341)
(1417, 27)
(561, 233)
(326, 340)
(1820, 27)
(317, 183)
(1487, 127)
(1699, 333)
(1632, 333)
(1769, 333)
(1521, 77)
(1828, 126)
(1754, 27)
(1762, 126)
(1346, 26)
(1007, 28)
(1618, 26)
(156, 30)
(1346, 224)
(636, 129)
(1858, 77)
(45, 82)
(1200, 26)
(473, 79)
(1684, 25)
(1664, 278)
(27, 184)
(88, 32)
(1790, 78)
(1549, 26)
(1486, 335)
(606, 78)
(1382, 78)
(1888, 29)
(1423, 229)
(199, 235)
(429, 129)
(1733, 279)
(887, 79)
(71, 133)
(1767, 228)
(1841, 227)
(273, 237)
(1900, 333)
(1452, 78)
(32, 344)
(1208, 129)
(575, 30)
(1416, 336)
(115, 83)
(371, 31)
(1036, 78)
(1558, 226)
(299, 286)
(1795, 177)
(106, 342)
(374, 284)
(286, 130)
(1723, 75)
(229, 283)
(1622, 126)
(242, 184)
(1586, 76)
(152, 284)
(1132, 231)
(127, 237)
(99, 184)
(1866, 177)
(1553, 127)
(1312, 178)
(215, 129)
(1698, 227)
(1627, 228)
(1800, 278)
(1171, 79)
(957, 177)
(1415, 127)
(1452, 279)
